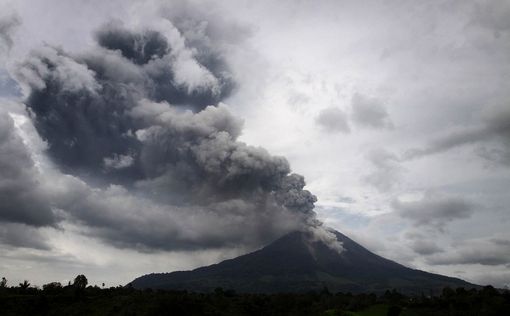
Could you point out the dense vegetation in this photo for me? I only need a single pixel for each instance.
(79, 299)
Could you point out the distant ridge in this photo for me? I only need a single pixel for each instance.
(296, 263)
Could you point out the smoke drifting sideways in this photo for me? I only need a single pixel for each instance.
(148, 156)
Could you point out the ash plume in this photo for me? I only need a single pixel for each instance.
(153, 155)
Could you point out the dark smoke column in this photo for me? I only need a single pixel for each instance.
(143, 114)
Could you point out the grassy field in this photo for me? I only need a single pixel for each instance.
(376, 310)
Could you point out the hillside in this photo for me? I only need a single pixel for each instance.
(295, 263)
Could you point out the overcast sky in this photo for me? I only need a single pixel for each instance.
(396, 114)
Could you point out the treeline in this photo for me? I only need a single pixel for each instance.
(77, 298)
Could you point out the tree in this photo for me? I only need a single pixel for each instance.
(53, 286)
(80, 282)
(3, 283)
(25, 285)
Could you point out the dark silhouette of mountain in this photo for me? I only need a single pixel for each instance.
(296, 263)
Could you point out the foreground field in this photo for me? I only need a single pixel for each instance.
(78, 299)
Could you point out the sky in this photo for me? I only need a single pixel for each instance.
(155, 136)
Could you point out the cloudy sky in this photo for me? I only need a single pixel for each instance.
(154, 136)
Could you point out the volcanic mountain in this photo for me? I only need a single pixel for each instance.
(297, 263)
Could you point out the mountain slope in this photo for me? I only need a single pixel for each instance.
(295, 263)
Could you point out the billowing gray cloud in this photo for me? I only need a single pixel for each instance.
(80, 119)
(139, 115)
(369, 112)
(124, 220)
(191, 74)
(434, 210)
(22, 236)
(22, 198)
(333, 120)
(92, 94)
(140, 47)
(202, 188)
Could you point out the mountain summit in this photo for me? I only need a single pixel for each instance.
(298, 263)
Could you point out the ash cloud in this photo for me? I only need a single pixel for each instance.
(153, 157)
(187, 74)
(81, 103)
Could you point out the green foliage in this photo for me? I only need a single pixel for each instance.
(25, 285)
(55, 299)
(52, 287)
(80, 281)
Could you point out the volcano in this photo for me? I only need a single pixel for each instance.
(298, 263)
